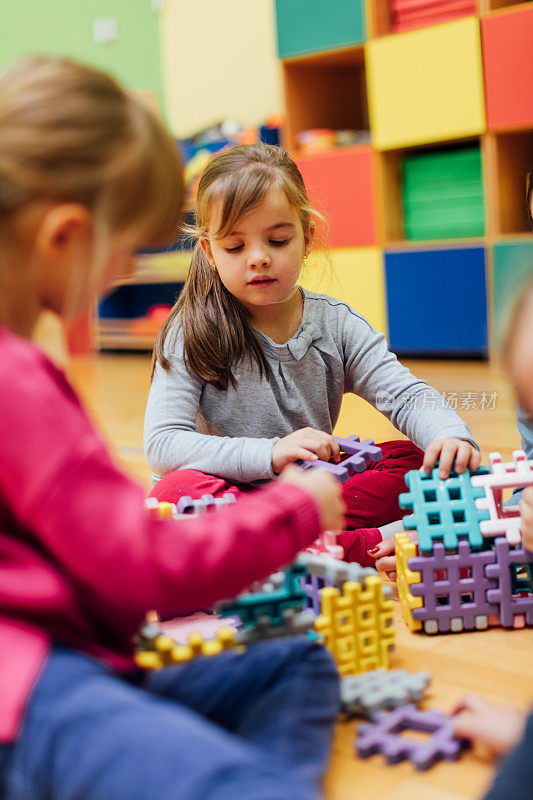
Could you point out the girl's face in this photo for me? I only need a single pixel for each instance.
(260, 261)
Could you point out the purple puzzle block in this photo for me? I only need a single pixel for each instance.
(383, 735)
(358, 454)
(312, 586)
(352, 446)
(508, 605)
(453, 586)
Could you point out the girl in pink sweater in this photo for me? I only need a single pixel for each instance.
(87, 176)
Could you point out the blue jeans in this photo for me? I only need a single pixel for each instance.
(256, 726)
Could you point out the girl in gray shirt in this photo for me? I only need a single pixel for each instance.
(250, 370)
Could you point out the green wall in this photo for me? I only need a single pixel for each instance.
(65, 28)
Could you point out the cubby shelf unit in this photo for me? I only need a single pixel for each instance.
(439, 88)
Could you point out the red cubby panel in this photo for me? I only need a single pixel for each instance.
(341, 184)
(508, 65)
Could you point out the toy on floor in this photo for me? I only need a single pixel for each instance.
(358, 454)
(366, 694)
(384, 735)
(463, 575)
(323, 570)
(188, 507)
(354, 619)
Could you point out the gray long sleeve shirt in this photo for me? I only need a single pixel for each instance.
(190, 424)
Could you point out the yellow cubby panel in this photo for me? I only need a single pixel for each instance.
(353, 274)
(426, 85)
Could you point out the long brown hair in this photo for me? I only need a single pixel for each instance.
(216, 326)
(70, 133)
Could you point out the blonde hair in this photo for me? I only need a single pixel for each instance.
(216, 328)
(69, 133)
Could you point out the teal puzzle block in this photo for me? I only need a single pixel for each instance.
(443, 510)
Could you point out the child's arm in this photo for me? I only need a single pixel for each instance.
(416, 409)
(87, 519)
(171, 440)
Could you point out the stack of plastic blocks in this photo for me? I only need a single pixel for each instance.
(323, 570)
(465, 575)
(355, 613)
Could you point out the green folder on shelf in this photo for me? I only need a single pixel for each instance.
(442, 194)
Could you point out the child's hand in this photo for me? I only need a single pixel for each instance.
(306, 444)
(496, 727)
(325, 491)
(384, 555)
(526, 512)
(450, 453)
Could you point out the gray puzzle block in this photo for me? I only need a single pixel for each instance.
(366, 694)
(337, 572)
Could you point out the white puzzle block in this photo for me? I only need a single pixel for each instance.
(504, 520)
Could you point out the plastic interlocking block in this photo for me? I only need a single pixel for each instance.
(294, 623)
(255, 606)
(515, 611)
(454, 588)
(383, 735)
(186, 505)
(503, 520)
(358, 454)
(357, 625)
(366, 694)
(165, 651)
(405, 578)
(443, 510)
(325, 571)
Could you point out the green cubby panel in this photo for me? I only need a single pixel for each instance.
(442, 194)
(512, 265)
(310, 26)
(56, 27)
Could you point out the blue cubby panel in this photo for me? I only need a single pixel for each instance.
(309, 26)
(134, 299)
(437, 302)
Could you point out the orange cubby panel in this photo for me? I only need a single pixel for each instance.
(341, 185)
(508, 66)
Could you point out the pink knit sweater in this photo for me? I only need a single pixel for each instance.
(80, 560)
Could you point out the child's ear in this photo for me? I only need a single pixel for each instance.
(310, 238)
(206, 247)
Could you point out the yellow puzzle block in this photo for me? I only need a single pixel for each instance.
(426, 85)
(405, 577)
(357, 626)
(168, 652)
(352, 274)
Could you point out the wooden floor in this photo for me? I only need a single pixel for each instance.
(497, 663)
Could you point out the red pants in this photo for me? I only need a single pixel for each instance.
(371, 497)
